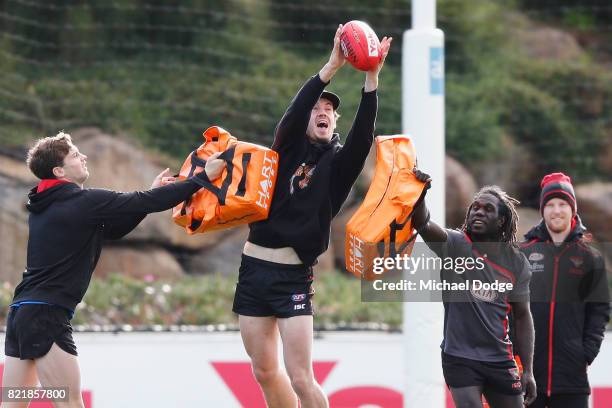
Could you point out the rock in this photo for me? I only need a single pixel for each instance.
(460, 190)
(605, 157)
(326, 261)
(138, 262)
(517, 172)
(528, 218)
(223, 258)
(362, 184)
(17, 169)
(548, 43)
(595, 208)
(13, 229)
(367, 174)
(119, 165)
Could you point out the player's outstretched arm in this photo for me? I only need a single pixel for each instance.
(116, 226)
(349, 161)
(336, 59)
(430, 231)
(107, 206)
(214, 169)
(292, 126)
(362, 130)
(371, 81)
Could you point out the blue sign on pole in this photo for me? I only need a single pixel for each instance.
(436, 71)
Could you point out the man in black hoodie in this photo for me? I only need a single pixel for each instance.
(315, 176)
(569, 298)
(67, 225)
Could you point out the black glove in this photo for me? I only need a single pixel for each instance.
(421, 212)
(422, 177)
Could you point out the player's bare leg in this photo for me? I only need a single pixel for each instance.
(499, 400)
(297, 333)
(17, 374)
(260, 338)
(60, 369)
(467, 397)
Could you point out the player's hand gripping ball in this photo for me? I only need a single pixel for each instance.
(360, 45)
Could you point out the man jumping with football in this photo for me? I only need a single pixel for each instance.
(315, 176)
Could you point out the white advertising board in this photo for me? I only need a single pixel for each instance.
(189, 370)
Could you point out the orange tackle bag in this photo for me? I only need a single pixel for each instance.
(382, 226)
(241, 195)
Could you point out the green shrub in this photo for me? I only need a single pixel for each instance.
(203, 300)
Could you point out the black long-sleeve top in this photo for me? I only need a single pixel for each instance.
(570, 304)
(67, 225)
(314, 179)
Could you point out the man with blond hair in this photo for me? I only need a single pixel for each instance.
(570, 301)
(315, 175)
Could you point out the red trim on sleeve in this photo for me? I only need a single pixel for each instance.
(528, 244)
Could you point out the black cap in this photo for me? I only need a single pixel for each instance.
(332, 97)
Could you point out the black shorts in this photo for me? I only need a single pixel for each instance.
(31, 330)
(271, 289)
(502, 377)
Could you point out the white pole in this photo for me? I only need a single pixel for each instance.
(423, 119)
